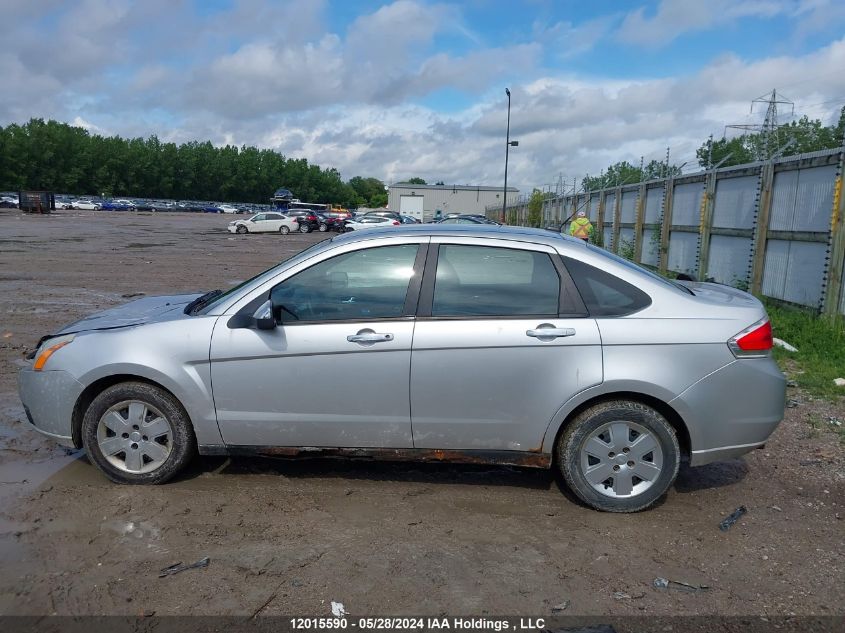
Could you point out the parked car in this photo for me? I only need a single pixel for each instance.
(87, 205)
(329, 223)
(117, 205)
(465, 219)
(269, 222)
(228, 208)
(407, 219)
(308, 220)
(385, 214)
(369, 221)
(531, 349)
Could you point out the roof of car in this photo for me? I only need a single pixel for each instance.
(463, 230)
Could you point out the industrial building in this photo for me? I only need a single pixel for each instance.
(425, 201)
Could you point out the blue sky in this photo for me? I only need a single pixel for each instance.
(416, 88)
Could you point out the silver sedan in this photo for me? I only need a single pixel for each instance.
(443, 343)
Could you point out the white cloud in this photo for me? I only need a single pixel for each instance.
(673, 18)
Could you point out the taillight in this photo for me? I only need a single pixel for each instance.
(395, 223)
(753, 341)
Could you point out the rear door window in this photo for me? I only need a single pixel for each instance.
(605, 294)
(477, 281)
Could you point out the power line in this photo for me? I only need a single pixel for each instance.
(769, 127)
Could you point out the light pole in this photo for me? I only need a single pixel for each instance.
(508, 144)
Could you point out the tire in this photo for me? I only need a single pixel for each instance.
(323, 227)
(304, 228)
(163, 438)
(284, 230)
(626, 430)
(241, 230)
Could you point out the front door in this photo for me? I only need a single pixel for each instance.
(501, 342)
(335, 372)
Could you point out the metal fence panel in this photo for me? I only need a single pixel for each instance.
(593, 211)
(686, 204)
(607, 235)
(628, 212)
(729, 260)
(626, 238)
(683, 252)
(794, 271)
(609, 208)
(814, 200)
(784, 192)
(803, 199)
(651, 244)
(653, 205)
(735, 202)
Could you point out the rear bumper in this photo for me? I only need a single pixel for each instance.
(48, 398)
(733, 410)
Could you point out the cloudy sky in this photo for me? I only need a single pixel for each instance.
(416, 88)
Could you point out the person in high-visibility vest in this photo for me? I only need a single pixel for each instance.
(581, 227)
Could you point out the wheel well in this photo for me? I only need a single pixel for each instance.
(658, 405)
(96, 388)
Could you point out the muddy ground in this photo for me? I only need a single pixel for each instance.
(290, 537)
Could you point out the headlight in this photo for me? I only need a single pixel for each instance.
(48, 348)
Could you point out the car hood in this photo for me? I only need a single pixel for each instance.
(140, 311)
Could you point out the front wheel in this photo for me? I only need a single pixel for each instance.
(619, 456)
(304, 228)
(241, 230)
(137, 433)
(284, 230)
(323, 227)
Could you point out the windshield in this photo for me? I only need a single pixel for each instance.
(257, 279)
(629, 264)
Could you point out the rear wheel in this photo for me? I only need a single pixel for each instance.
(137, 433)
(619, 456)
(241, 229)
(284, 230)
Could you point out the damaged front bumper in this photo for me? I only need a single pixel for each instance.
(48, 398)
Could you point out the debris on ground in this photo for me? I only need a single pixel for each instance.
(338, 610)
(563, 606)
(792, 403)
(810, 462)
(791, 383)
(777, 508)
(834, 421)
(732, 518)
(132, 295)
(179, 567)
(839, 382)
(781, 343)
(621, 595)
(665, 583)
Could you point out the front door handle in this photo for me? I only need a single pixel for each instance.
(549, 332)
(369, 336)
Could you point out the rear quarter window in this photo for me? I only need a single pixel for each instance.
(605, 294)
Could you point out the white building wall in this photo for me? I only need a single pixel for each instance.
(449, 199)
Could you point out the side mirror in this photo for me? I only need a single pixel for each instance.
(261, 319)
(264, 319)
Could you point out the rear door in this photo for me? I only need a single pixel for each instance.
(502, 341)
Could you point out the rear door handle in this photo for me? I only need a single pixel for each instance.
(368, 336)
(550, 332)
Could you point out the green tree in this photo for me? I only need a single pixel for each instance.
(535, 208)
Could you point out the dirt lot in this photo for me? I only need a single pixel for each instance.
(290, 537)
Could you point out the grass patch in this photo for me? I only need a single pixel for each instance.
(821, 348)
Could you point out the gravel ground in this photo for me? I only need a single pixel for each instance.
(288, 537)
